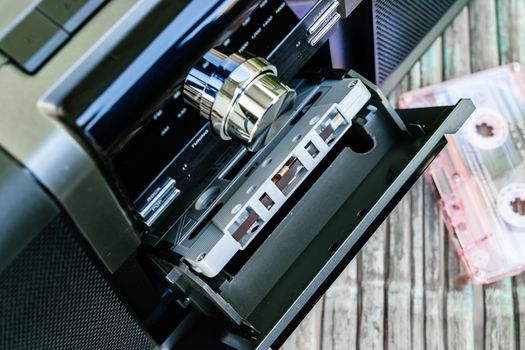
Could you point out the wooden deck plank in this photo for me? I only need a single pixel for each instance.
(433, 239)
(398, 277)
(519, 310)
(511, 40)
(308, 335)
(456, 41)
(483, 34)
(435, 323)
(432, 72)
(511, 30)
(417, 194)
(340, 317)
(459, 296)
(418, 267)
(372, 291)
(500, 332)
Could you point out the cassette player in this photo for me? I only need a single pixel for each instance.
(221, 160)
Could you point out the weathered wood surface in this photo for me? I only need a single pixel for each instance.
(406, 289)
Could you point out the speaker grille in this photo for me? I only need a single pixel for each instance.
(52, 297)
(399, 26)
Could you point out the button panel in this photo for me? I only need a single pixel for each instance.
(32, 41)
(69, 14)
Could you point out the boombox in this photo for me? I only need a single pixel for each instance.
(195, 174)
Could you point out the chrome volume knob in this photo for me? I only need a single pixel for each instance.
(240, 96)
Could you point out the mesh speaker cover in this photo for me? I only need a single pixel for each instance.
(52, 297)
(399, 26)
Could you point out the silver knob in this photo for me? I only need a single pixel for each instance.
(241, 97)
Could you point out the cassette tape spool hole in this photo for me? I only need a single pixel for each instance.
(207, 198)
(486, 129)
(511, 204)
(518, 205)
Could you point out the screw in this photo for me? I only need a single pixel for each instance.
(480, 274)
(314, 120)
(184, 302)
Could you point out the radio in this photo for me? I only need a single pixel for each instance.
(219, 162)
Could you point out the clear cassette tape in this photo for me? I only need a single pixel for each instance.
(480, 175)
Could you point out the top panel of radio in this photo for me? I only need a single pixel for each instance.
(171, 130)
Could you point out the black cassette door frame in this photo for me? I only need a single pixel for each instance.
(294, 266)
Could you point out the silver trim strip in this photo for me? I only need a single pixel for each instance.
(321, 33)
(317, 24)
(156, 206)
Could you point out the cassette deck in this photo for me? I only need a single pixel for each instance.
(220, 171)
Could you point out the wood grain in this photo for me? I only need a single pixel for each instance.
(433, 238)
(399, 276)
(308, 335)
(511, 42)
(341, 309)
(511, 30)
(372, 291)
(417, 246)
(483, 33)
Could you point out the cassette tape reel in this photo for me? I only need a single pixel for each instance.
(486, 129)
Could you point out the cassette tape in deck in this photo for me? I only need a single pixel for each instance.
(480, 175)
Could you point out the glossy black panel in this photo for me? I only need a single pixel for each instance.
(138, 64)
(161, 142)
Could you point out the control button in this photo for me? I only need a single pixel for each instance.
(69, 14)
(32, 40)
(240, 96)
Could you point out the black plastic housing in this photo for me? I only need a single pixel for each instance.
(260, 303)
